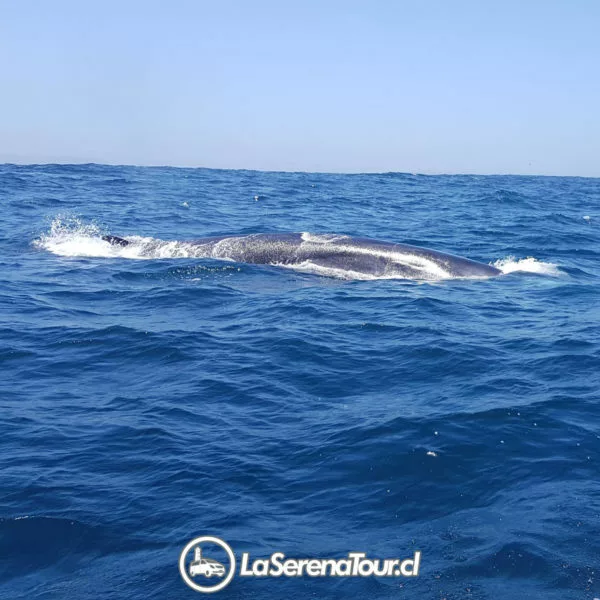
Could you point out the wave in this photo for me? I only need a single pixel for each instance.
(71, 237)
(527, 265)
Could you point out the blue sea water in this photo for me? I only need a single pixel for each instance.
(145, 402)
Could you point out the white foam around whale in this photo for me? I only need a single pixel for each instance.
(527, 265)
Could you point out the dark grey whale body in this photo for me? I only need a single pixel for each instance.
(331, 254)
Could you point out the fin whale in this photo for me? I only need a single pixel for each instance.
(334, 254)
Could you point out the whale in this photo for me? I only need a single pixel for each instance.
(330, 254)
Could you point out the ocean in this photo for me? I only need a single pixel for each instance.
(152, 397)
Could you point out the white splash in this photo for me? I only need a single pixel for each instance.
(69, 236)
(527, 265)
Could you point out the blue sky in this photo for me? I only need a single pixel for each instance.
(413, 86)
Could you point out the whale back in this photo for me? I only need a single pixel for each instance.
(336, 255)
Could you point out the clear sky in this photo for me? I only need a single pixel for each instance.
(455, 86)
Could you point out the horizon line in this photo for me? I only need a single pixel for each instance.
(413, 174)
